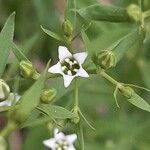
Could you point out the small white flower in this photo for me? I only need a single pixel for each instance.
(60, 141)
(12, 99)
(69, 66)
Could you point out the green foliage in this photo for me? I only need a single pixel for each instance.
(100, 12)
(52, 34)
(98, 27)
(139, 102)
(30, 99)
(6, 38)
(56, 111)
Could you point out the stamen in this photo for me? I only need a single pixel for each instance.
(75, 62)
(63, 68)
(76, 70)
(70, 63)
(70, 66)
(69, 73)
(67, 60)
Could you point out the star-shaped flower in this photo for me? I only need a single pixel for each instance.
(12, 99)
(69, 66)
(60, 141)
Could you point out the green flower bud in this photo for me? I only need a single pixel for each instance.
(67, 28)
(77, 118)
(4, 90)
(3, 144)
(126, 91)
(27, 70)
(134, 12)
(48, 95)
(106, 59)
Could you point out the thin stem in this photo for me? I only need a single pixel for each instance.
(76, 93)
(107, 77)
(11, 126)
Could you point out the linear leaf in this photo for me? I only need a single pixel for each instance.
(99, 12)
(52, 34)
(26, 48)
(125, 43)
(57, 111)
(139, 102)
(31, 98)
(6, 38)
(71, 15)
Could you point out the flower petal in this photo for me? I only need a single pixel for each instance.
(80, 57)
(56, 131)
(55, 69)
(71, 138)
(59, 136)
(13, 98)
(82, 73)
(63, 53)
(5, 103)
(67, 80)
(50, 143)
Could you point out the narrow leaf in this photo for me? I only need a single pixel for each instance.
(37, 121)
(6, 38)
(52, 34)
(57, 111)
(71, 15)
(31, 98)
(87, 42)
(87, 122)
(125, 43)
(18, 53)
(26, 48)
(139, 102)
(99, 12)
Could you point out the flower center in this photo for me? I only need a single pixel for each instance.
(61, 144)
(70, 66)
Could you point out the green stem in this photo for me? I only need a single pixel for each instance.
(11, 126)
(107, 77)
(76, 93)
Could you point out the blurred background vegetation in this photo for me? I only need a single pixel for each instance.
(126, 128)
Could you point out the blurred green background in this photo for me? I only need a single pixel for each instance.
(126, 128)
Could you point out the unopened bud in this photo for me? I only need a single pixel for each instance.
(27, 70)
(76, 119)
(48, 95)
(4, 90)
(3, 144)
(106, 59)
(67, 28)
(134, 12)
(126, 91)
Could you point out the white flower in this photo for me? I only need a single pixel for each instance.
(12, 99)
(69, 66)
(60, 141)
